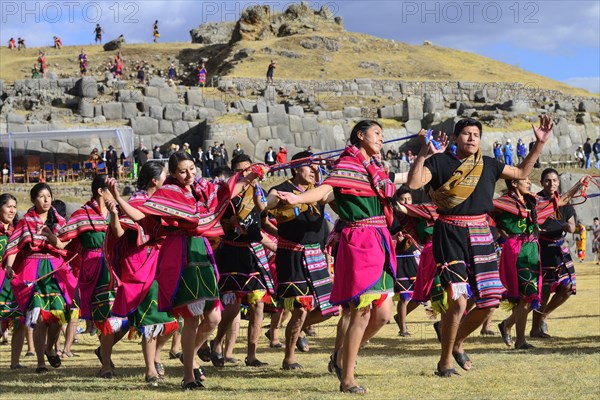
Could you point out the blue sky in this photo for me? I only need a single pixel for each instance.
(558, 39)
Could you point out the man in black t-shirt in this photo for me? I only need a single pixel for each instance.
(304, 282)
(462, 187)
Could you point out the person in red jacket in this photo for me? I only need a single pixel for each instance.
(281, 158)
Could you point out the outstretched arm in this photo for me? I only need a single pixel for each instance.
(542, 133)
(568, 196)
(311, 196)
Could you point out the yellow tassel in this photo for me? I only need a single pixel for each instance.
(255, 296)
(365, 300)
(288, 303)
(60, 315)
(74, 314)
(440, 307)
(507, 305)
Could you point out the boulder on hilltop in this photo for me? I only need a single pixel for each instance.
(114, 44)
(213, 33)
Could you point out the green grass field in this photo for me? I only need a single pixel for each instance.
(564, 367)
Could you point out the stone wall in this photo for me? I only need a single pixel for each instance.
(292, 113)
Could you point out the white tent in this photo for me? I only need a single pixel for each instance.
(123, 134)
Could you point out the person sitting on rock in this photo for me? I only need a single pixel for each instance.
(57, 43)
(83, 63)
(35, 74)
(140, 72)
(201, 72)
(172, 71)
(11, 44)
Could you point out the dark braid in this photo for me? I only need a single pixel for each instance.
(531, 203)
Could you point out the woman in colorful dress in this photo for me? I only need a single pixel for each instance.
(364, 285)
(9, 309)
(96, 283)
(43, 283)
(413, 232)
(189, 208)
(518, 214)
(558, 270)
(134, 263)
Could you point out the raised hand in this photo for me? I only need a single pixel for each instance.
(442, 143)
(113, 186)
(543, 132)
(428, 147)
(112, 206)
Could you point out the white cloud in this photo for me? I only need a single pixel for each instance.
(591, 84)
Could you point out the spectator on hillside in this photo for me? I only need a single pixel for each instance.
(596, 150)
(172, 149)
(57, 43)
(98, 32)
(111, 162)
(43, 63)
(21, 44)
(281, 158)
(11, 44)
(595, 240)
(201, 73)
(199, 160)
(217, 155)
(83, 63)
(118, 66)
(35, 74)
(209, 161)
(580, 156)
(156, 154)
(94, 157)
(155, 34)
(237, 151)
(224, 154)
(521, 150)
(587, 151)
(270, 71)
(141, 75)
(6, 173)
(172, 73)
(508, 152)
(498, 152)
(270, 156)
(140, 155)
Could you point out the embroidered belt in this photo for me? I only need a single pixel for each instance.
(464, 221)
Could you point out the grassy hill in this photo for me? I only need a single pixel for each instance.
(381, 59)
